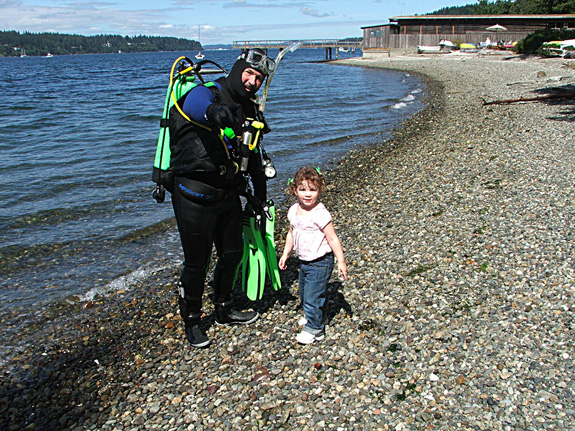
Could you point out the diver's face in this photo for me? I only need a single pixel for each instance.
(252, 80)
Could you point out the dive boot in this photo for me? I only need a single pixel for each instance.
(190, 310)
(225, 315)
(196, 335)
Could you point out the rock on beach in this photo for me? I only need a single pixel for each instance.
(458, 313)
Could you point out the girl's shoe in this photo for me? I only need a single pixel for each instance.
(305, 337)
(302, 321)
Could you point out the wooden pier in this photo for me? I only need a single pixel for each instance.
(329, 45)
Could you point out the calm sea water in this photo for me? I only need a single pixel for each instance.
(78, 137)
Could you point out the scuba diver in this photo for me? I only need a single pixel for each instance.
(208, 183)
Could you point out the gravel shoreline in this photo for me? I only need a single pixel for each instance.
(458, 314)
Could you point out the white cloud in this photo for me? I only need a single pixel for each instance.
(312, 12)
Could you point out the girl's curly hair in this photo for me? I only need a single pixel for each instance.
(309, 174)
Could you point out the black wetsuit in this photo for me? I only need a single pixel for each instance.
(206, 198)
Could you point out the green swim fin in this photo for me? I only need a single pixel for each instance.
(253, 262)
(270, 249)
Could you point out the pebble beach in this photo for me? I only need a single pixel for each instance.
(457, 314)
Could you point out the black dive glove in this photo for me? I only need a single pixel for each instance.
(223, 116)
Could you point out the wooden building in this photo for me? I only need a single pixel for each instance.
(412, 31)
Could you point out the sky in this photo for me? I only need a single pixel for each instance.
(211, 21)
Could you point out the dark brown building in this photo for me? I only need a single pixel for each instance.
(412, 31)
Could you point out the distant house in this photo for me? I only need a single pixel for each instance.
(412, 31)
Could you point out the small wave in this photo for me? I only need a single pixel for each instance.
(125, 282)
(399, 105)
(145, 118)
(417, 90)
(407, 98)
(23, 108)
(138, 234)
(63, 211)
(143, 88)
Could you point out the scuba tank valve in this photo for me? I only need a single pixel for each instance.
(250, 137)
(247, 137)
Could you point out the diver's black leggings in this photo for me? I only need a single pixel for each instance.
(201, 225)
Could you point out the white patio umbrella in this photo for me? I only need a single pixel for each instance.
(496, 28)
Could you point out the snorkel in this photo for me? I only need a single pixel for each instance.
(268, 67)
(291, 48)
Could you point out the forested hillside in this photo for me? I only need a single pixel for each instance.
(13, 43)
(514, 7)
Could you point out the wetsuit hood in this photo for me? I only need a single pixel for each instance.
(233, 84)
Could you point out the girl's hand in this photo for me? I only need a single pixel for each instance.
(282, 263)
(342, 270)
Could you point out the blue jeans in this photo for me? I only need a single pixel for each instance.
(313, 278)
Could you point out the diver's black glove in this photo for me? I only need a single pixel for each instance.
(223, 116)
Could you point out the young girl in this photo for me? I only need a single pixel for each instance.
(312, 235)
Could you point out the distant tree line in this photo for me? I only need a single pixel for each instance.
(13, 44)
(511, 7)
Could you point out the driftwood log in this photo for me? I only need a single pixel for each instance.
(569, 95)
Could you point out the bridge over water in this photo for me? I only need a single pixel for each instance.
(329, 45)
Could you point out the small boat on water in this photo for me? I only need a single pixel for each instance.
(199, 55)
(49, 55)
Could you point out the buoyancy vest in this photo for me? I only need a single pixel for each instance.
(200, 153)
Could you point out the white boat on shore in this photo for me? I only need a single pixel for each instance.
(422, 49)
(444, 47)
(446, 44)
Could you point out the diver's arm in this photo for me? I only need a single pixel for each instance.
(197, 102)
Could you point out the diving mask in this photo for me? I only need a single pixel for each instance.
(258, 60)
